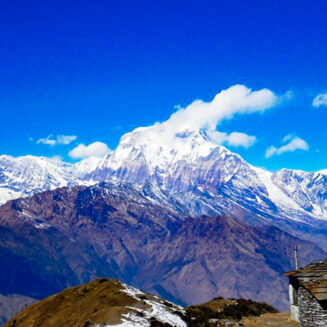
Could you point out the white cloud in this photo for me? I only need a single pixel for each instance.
(294, 143)
(240, 139)
(200, 115)
(47, 140)
(235, 139)
(320, 100)
(96, 149)
(66, 139)
(238, 99)
(59, 139)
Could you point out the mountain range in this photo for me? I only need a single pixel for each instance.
(172, 213)
(68, 236)
(188, 164)
(191, 169)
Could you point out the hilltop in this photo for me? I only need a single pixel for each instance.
(103, 302)
(108, 302)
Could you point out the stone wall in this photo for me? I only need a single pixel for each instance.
(310, 311)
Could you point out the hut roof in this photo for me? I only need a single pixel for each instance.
(313, 277)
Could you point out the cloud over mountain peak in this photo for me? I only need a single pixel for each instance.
(201, 115)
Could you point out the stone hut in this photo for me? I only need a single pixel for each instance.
(308, 294)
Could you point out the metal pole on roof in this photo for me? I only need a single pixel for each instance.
(296, 258)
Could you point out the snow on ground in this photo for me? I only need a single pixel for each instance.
(159, 312)
(131, 291)
(156, 309)
(132, 320)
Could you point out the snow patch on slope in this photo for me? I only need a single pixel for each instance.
(156, 310)
(275, 193)
(131, 319)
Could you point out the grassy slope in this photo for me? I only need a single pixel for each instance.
(104, 301)
(100, 301)
(270, 320)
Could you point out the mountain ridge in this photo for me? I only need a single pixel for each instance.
(188, 163)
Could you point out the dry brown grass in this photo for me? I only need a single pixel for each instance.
(270, 320)
(100, 301)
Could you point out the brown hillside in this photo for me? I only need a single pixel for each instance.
(98, 303)
(106, 302)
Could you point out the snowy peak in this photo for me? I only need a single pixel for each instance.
(186, 165)
(214, 179)
(83, 168)
(307, 189)
(154, 143)
(154, 154)
(23, 176)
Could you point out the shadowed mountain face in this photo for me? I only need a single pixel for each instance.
(11, 304)
(68, 236)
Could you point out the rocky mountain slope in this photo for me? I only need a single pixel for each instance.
(210, 178)
(68, 236)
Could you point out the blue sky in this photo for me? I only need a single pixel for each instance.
(98, 69)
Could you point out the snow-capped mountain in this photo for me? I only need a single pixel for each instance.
(188, 166)
(307, 189)
(23, 176)
(83, 168)
(208, 178)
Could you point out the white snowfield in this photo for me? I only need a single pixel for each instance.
(187, 164)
